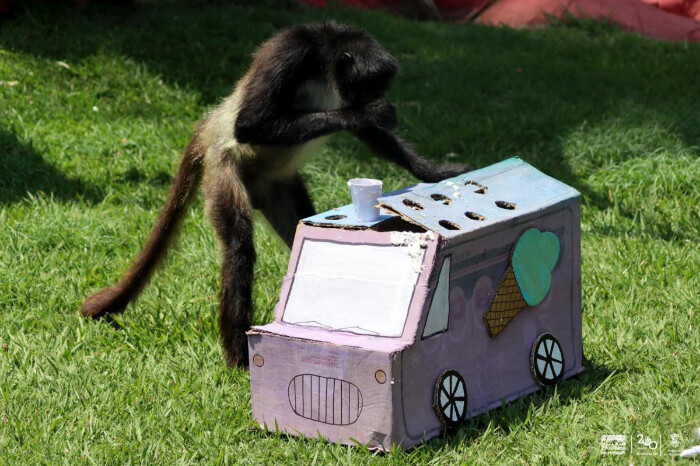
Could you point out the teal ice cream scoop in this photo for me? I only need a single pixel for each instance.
(534, 258)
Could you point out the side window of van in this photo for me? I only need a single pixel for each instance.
(439, 313)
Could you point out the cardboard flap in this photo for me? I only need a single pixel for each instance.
(479, 199)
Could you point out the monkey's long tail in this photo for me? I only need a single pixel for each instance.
(115, 299)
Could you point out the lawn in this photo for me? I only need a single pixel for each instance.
(96, 105)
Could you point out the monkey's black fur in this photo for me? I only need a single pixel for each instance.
(306, 82)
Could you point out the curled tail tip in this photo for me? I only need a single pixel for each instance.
(238, 364)
(443, 172)
(108, 300)
(459, 168)
(451, 170)
(237, 353)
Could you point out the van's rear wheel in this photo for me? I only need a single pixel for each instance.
(547, 360)
(450, 399)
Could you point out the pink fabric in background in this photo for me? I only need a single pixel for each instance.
(690, 8)
(662, 19)
(451, 10)
(633, 15)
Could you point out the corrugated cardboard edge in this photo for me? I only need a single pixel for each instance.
(405, 217)
(305, 340)
(335, 225)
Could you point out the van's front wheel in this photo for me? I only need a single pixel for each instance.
(450, 399)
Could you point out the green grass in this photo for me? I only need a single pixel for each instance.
(87, 152)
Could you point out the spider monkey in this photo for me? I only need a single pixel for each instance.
(305, 83)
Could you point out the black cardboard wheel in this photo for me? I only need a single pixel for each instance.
(450, 398)
(547, 360)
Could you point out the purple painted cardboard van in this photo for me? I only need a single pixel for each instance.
(462, 295)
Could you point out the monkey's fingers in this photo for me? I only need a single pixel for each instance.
(107, 301)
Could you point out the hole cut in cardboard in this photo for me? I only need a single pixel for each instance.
(482, 189)
(506, 205)
(441, 198)
(474, 216)
(412, 204)
(336, 217)
(446, 224)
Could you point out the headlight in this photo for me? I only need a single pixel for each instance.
(380, 375)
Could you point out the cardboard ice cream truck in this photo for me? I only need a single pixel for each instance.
(461, 295)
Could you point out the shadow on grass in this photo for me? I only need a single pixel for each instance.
(517, 413)
(24, 172)
(484, 93)
(196, 46)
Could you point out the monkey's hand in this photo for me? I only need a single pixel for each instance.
(388, 145)
(381, 114)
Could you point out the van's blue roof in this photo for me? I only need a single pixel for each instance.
(466, 202)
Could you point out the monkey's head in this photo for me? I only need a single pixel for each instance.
(362, 69)
(353, 61)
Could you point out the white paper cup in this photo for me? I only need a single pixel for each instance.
(365, 192)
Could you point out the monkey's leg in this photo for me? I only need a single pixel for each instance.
(388, 145)
(285, 203)
(229, 209)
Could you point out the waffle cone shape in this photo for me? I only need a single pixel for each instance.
(505, 305)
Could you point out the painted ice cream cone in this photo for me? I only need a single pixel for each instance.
(505, 305)
(527, 279)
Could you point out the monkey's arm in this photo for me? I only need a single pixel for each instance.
(388, 145)
(269, 128)
(294, 129)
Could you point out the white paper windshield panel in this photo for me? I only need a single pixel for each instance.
(391, 264)
(353, 287)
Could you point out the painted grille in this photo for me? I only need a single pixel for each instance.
(325, 399)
